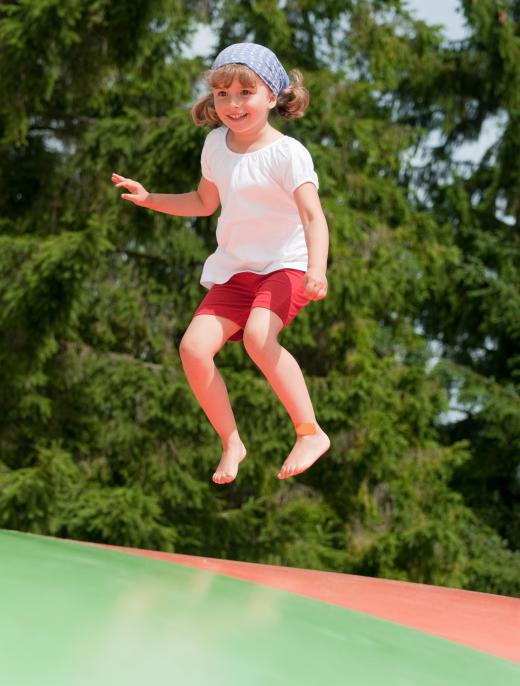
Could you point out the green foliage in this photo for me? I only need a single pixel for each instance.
(31, 498)
(100, 436)
(474, 313)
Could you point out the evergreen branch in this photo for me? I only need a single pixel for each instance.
(489, 384)
(83, 349)
(69, 119)
(143, 256)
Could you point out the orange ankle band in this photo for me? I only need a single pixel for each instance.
(305, 429)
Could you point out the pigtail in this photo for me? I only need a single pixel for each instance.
(203, 112)
(294, 100)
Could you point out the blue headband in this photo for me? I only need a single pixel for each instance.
(259, 59)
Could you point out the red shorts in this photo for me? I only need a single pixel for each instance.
(281, 291)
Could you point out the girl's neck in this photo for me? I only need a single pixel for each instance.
(250, 141)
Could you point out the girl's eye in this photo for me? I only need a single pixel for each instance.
(224, 94)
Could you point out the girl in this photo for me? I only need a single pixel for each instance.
(272, 241)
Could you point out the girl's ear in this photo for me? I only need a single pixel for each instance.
(272, 100)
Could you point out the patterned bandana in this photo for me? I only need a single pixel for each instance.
(259, 59)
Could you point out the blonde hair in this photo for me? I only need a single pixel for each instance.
(291, 102)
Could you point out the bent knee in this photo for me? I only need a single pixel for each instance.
(258, 342)
(194, 348)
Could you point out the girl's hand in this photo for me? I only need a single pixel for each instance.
(138, 193)
(315, 283)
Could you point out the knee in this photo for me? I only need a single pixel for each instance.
(258, 343)
(193, 348)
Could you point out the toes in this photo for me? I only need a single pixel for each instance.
(292, 470)
(286, 472)
(222, 478)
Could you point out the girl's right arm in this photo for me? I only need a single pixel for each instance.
(200, 203)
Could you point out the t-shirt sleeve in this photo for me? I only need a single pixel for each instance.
(299, 168)
(205, 160)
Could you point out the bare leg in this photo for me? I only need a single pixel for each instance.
(286, 378)
(204, 337)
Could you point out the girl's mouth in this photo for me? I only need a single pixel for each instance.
(236, 117)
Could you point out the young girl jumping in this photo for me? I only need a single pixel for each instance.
(272, 236)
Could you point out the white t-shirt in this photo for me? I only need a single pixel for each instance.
(259, 228)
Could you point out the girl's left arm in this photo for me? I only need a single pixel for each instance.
(317, 239)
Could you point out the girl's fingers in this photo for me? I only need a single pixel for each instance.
(315, 291)
(132, 187)
(123, 181)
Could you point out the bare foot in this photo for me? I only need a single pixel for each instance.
(304, 454)
(227, 469)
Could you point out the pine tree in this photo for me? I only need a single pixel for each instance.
(100, 437)
(90, 293)
(474, 313)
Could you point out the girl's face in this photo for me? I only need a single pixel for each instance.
(243, 108)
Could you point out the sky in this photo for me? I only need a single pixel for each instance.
(443, 12)
(448, 14)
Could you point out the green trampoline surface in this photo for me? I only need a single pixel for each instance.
(73, 615)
